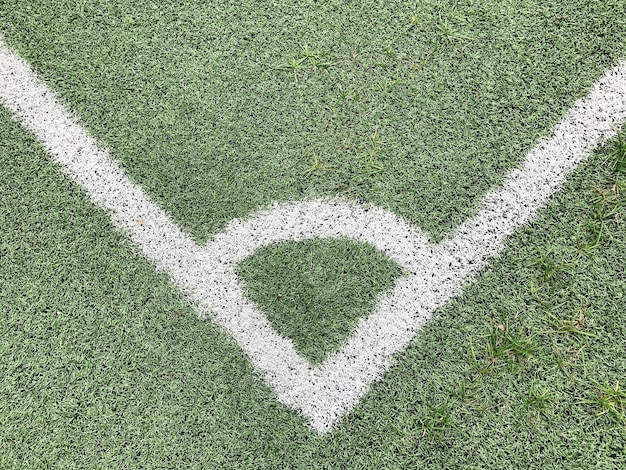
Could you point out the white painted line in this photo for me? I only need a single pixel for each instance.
(435, 273)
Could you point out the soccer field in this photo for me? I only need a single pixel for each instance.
(373, 234)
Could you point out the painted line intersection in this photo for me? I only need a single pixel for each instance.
(436, 273)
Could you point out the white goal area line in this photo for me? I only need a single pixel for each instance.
(435, 272)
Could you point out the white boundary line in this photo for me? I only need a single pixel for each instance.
(436, 272)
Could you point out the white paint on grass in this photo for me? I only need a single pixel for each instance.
(436, 273)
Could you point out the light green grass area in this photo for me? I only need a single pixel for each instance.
(217, 109)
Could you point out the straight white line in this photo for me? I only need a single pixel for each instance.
(588, 123)
(81, 158)
(436, 273)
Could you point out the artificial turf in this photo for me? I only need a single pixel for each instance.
(315, 291)
(106, 366)
(423, 108)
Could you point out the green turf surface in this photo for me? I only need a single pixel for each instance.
(103, 362)
(316, 291)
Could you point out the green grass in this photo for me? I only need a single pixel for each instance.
(617, 155)
(426, 106)
(315, 291)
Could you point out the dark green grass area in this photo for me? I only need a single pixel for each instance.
(314, 292)
(219, 108)
(105, 366)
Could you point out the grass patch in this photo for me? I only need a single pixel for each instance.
(608, 399)
(315, 291)
(105, 365)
